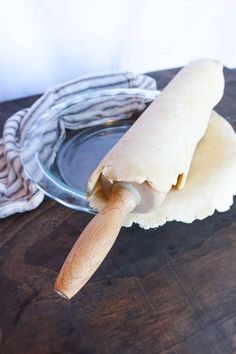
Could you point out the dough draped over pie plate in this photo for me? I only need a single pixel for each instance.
(161, 146)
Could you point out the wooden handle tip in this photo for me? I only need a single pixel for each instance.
(62, 294)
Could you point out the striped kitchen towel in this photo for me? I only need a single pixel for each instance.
(90, 100)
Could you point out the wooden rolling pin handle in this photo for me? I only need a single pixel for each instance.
(95, 242)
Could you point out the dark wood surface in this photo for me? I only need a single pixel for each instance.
(167, 290)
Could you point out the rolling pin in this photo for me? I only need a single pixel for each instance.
(98, 237)
(151, 158)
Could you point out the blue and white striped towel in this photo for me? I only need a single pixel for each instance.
(17, 192)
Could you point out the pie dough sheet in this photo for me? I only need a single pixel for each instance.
(211, 183)
(159, 147)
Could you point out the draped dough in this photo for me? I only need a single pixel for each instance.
(159, 147)
(180, 147)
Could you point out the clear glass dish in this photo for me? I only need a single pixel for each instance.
(62, 157)
(78, 156)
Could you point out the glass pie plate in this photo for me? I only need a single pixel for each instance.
(66, 180)
(59, 160)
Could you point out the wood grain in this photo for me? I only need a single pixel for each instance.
(168, 290)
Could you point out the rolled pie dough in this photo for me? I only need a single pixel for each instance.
(158, 149)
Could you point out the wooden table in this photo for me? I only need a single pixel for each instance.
(168, 290)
